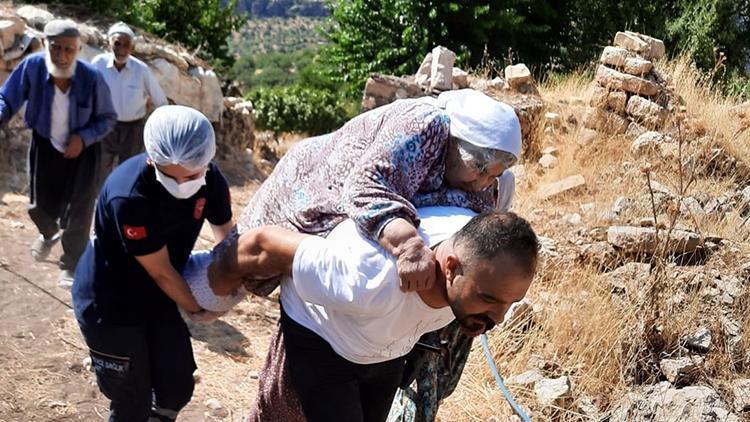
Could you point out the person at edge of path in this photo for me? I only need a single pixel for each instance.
(345, 325)
(131, 84)
(128, 289)
(379, 167)
(69, 110)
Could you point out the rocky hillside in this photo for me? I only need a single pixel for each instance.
(638, 183)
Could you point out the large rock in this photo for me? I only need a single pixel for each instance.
(35, 16)
(646, 112)
(662, 402)
(181, 88)
(648, 141)
(441, 77)
(605, 121)
(614, 80)
(638, 240)
(565, 185)
(628, 278)
(699, 341)
(211, 98)
(422, 77)
(384, 89)
(11, 27)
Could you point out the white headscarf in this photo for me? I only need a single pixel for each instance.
(481, 120)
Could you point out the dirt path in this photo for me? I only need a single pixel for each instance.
(42, 351)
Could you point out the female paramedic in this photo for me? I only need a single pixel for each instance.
(128, 288)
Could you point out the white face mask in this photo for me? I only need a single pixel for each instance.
(180, 190)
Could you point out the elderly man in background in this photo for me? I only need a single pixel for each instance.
(68, 109)
(131, 84)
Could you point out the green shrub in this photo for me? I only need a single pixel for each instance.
(299, 109)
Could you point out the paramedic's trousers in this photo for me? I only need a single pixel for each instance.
(62, 193)
(146, 370)
(331, 388)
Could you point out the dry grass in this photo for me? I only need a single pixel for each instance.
(608, 344)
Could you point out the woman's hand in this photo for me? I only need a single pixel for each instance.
(414, 260)
(416, 265)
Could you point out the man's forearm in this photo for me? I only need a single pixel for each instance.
(260, 253)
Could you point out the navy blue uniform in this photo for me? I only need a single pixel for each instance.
(139, 343)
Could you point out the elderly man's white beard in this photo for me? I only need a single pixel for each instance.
(57, 71)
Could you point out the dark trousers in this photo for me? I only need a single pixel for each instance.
(331, 388)
(62, 194)
(145, 370)
(125, 141)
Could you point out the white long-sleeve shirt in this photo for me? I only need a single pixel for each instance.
(130, 87)
(345, 288)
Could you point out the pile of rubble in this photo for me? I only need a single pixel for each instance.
(629, 95)
(185, 79)
(437, 74)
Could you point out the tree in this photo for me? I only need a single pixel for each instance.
(202, 25)
(392, 36)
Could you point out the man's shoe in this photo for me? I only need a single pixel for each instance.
(66, 279)
(41, 247)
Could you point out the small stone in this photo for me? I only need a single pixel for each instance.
(197, 377)
(741, 393)
(646, 112)
(548, 161)
(635, 129)
(699, 341)
(550, 150)
(681, 371)
(553, 120)
(216, 409)
(460, 78)
(253, 375)
(86, 363)
(691, 207)
(552, 392)
(587, 136)
(573, 219)
(517, 75)
(622, 205)
(648, 141)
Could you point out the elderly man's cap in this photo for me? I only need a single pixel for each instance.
(121, 28)
(61, 28)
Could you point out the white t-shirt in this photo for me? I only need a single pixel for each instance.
(345, 288)
(131, 87)
(60, 126)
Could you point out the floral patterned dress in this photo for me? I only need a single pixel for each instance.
(381, 165)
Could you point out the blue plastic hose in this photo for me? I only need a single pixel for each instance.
(501, 384)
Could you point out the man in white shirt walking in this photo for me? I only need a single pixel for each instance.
(131, 84)
(346, 326)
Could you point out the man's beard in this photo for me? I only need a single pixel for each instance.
(57, 71)
(473, 324)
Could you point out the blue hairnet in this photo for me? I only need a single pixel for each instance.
(179, 135)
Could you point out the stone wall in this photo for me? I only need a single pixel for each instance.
(628, 94)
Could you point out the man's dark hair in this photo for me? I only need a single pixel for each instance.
(493, 234)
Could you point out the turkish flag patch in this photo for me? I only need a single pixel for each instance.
(134, 232)
(200, 203)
